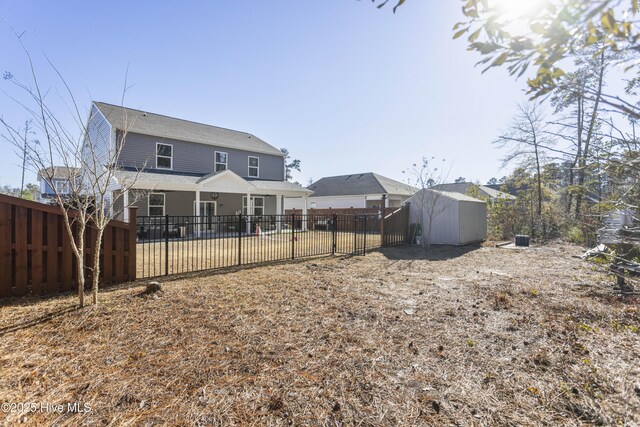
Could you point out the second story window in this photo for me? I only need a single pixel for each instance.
(254, 167)
(222, 161)
(164, 156)
(63, 187)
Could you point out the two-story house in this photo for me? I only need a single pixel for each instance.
(184, 168)
(60, 177)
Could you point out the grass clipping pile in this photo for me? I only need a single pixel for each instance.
(483, 336)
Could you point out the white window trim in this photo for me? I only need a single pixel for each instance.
(164, 203)
(164, 157)
(65, 190)
(216, 162)
(253, 205)
(256, 167)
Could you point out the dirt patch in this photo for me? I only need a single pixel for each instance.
(468, 336)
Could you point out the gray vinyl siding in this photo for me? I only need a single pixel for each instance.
(45, 187)
(118, 205)
(270, 205)
(139, 151)
(228, 204)
(99, 135)
(47, 190)
(179, 203)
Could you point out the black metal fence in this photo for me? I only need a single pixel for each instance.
(181, 244)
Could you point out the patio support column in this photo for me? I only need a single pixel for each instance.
(249, 213)
(279, 212)
(304, 213)
(125, 205)
(197, 213)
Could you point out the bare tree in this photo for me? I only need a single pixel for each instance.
(27, 131)
(581, 95)
(528, 142)
(426, 200)
(86, 160)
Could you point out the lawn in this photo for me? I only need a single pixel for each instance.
(462, 336)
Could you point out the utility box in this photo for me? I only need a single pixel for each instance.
(522, 240)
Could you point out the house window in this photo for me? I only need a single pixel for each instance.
(164, 156)
(62, 187)
(258, 205)
(254, 167)
(222, 161)
(156, 204)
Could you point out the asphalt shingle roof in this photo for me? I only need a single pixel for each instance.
(359, 184)
(158, 179)
(61, 172)
(147, 123)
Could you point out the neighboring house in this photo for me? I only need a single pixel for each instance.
(467, 188)
(183, 168)
(508, 188)
(61, 179)
(457, 219)
(360, 190)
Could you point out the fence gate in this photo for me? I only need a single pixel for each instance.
(395, 227)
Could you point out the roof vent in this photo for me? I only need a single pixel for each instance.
(144, 114)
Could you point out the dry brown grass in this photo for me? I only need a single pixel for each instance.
(483, 337)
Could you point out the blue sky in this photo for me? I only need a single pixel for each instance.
(347, 88)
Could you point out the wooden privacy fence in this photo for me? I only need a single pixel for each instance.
(36, 256)
(373, 216)
(345, 211)
(395, 227)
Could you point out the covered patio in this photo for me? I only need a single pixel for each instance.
(207, 200)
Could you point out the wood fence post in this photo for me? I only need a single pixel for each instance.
(133, 215)
(382, 241)
(5, 248)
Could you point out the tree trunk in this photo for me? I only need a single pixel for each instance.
(539, 182)
(80, 264)
(96, 265)
(587, 142)
(579, 130)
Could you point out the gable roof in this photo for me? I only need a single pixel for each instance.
(147, 123)
(151, 180)
(58, 172)
(359, 184)
(463, 188)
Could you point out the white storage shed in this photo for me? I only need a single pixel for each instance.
(457, 219)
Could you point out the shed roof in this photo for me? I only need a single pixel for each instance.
(463, 188)
(148, 123)
(450, 195)
(359, 184)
